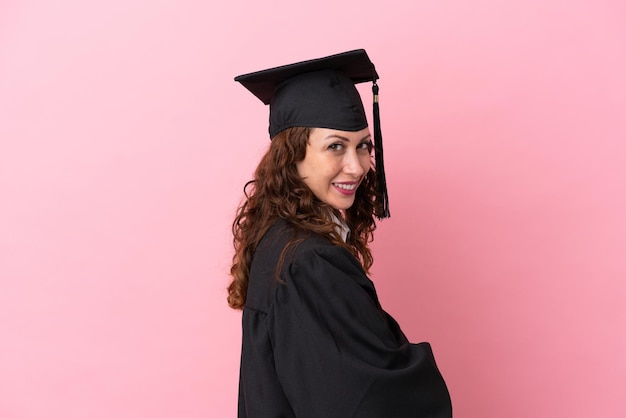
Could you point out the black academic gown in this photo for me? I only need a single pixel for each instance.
(318, 345)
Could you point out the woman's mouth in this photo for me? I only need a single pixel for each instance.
(347, 188)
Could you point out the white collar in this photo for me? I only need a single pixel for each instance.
(342, 227)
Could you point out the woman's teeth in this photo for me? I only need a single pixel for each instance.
(345, 186)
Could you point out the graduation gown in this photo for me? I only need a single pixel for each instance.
(317, 344)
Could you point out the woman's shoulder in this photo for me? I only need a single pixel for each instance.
(283, 233)
(285, 245)
(290, 247)
(281, 246)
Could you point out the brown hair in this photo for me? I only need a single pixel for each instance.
(277, 191)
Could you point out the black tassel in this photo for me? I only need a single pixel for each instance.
(381, 182)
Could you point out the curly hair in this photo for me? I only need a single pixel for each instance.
(277, 191)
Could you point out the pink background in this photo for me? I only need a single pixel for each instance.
(125, 145)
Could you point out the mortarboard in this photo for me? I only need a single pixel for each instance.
(321, 93)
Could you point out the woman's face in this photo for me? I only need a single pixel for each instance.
(335, 163)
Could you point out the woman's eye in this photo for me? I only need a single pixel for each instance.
(366, 146)
(336, 146)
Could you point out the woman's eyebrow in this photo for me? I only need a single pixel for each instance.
(334, 136)
(343, 138)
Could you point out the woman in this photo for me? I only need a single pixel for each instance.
(316, 342)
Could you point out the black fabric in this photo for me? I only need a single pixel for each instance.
(321, 99)
(354, 64)
(317, 343)
(318, 93)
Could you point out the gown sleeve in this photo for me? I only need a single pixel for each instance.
(338, 354)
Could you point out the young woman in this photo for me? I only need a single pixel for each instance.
(316, 342)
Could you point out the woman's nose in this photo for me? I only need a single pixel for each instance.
(352, 164)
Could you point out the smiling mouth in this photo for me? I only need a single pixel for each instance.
(346, 186)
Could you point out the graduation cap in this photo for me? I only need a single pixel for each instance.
(321, 93)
